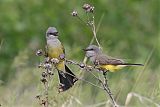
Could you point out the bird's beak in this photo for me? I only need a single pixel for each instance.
(84, 49)
(56, 33)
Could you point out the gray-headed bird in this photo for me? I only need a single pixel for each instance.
(104, 62)
(54, 49)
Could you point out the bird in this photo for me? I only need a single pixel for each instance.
(105, 62)
(55, 49)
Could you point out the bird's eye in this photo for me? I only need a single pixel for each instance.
(50, 33)
(89, 49)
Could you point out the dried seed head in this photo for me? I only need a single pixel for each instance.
(91, 9)
(39, 52)
(43, 102)
(88, 8)
(50, 72)
(74, 13)
(47, 66)
(82, 65)
(44, 80)
(89, 68)
(46, 59)
(54, 60)
(38, 96)
(44, 74)
(40, 65)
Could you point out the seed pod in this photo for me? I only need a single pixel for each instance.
(74, 13)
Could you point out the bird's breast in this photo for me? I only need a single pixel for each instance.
(54, 48)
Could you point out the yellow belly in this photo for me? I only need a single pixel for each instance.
(112, 68)
(55, 53)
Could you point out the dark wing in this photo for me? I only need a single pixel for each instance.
(63, 49)
(104, 60)
(62, 56)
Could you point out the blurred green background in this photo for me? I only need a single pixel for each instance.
(129, 29)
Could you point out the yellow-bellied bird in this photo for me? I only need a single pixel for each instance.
(54, 49)
(104, 62)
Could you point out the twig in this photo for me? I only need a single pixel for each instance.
(107, 89)
(94, 31)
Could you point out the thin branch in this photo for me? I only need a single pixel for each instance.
(94, 31)
(107, 89)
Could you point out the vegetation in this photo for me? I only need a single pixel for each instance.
(127, 29)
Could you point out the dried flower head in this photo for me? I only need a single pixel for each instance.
(39, 52)
(74, 13)
(44, 74)
(54, 60)
(40, 65)
(38, 97)
(88, 8)
(47, 66)
(46, 60)
(82, 65)
(44, 80)
(91, 9)
(50, 73)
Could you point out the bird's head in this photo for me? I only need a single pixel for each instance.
(51, 33)
(92, 50)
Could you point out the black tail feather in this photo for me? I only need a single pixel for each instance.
(130, 64)
(67, 79)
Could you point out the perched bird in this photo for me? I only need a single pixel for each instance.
(54, 49)
(104, 62)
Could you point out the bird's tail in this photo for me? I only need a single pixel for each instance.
(130, 64)
(67, 79)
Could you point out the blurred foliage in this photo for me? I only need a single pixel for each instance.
(129, 30)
